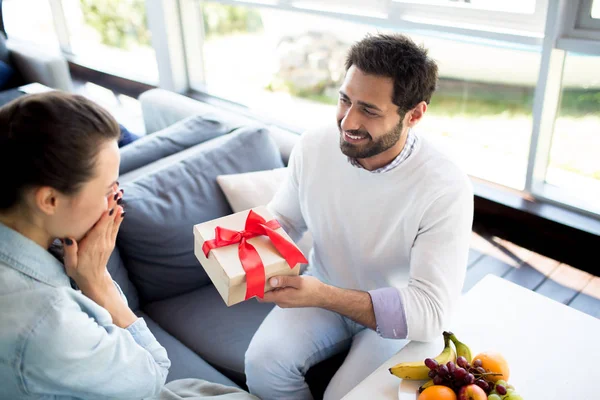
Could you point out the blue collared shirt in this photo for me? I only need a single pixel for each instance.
(56, 343)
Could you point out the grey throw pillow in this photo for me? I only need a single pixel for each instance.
(177, 137)
(164, 200)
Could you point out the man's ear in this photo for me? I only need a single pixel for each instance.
(46, 199)
(414, 116)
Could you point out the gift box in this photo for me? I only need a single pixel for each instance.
(240, 252)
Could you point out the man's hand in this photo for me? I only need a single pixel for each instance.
(308, 291)
(296, 291)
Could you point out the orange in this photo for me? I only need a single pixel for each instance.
(437, 392)
(494, 362)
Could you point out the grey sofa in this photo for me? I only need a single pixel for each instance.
(36, 64)
(169, 179)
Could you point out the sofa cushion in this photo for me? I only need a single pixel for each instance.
(163, 108)
(285, 140)
(184, 362)
(253, 189)
(119, 274)
(219, 334)
(177, 137)
(165, 199)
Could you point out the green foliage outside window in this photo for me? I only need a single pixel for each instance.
(221, 19)
(120, 23)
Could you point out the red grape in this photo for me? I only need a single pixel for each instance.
(470, 378)
(462, 362)
(460, 373)
(501, 390)
(482, 384)
(451, 366)
(431, 363)
(443, 370)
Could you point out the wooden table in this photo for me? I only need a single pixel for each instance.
(553, 350)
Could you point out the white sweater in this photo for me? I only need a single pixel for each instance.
(408, 228)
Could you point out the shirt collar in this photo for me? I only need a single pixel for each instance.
(399, 159)
(26, 256)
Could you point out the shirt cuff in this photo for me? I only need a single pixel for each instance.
(390, 315)
(141, 333)
(121, 292)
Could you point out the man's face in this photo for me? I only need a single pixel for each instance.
(368, 121)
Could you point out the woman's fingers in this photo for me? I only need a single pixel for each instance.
(120, 214)
(70, 255)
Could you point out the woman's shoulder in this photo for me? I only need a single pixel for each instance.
(33, 311)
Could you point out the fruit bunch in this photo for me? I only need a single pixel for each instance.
(482, 377)
(463, 374)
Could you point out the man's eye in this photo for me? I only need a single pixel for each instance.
(366, 111)
(343, 100)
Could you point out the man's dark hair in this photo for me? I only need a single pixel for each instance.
(50, 139)
(396, 56)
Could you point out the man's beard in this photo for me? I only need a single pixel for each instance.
(371, 147)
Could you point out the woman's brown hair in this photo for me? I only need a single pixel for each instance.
(50, 139)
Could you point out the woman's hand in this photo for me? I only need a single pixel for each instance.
(86, 260)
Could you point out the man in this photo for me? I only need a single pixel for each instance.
(391, 220)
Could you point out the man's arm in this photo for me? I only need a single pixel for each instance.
(437, 270)
(308, 291)
(285, 205)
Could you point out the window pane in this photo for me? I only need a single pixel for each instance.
(513, 6)
(596, 9)
(372, 8)
(574, 164)
(112, 36)
(289, 65)
(482, 111)
(29, 20)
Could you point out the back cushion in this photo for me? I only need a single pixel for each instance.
(164, 200)
(177, 137)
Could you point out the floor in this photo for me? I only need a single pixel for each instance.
(558, 281)
(488, 254)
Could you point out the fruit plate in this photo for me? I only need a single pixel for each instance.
(408, 390)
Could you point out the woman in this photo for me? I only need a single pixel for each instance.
(66, 330)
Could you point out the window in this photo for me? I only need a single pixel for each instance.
(29, 20)
(281, 64)
(574, 164)
(510, 6)
(481, 113)
(596, 9)
(288, 66)
(112, 36)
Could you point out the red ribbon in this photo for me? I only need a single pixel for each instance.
(251, 262)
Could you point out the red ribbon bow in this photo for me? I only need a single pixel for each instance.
(251, 262)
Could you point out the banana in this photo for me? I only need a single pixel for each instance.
(461, 348)
(426, 385)
(417, 370)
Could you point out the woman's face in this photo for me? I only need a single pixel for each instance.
(76, 214)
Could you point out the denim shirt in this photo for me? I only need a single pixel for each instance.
(56, 343)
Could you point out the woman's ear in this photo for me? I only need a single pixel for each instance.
(46, 199)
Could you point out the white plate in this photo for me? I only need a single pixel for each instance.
(408, 390)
